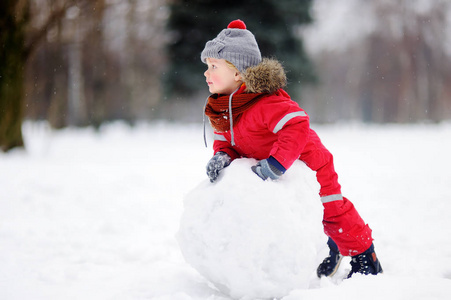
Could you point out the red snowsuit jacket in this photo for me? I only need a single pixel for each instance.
(276, 126)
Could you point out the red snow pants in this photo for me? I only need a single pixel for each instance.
(341, 221)
(343, 224)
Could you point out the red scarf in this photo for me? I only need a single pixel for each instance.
(217, 108)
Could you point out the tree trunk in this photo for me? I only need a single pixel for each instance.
(12, 63)
(16, 46)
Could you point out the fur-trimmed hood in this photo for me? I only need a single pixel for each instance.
(266, 77)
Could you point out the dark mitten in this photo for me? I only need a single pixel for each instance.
(218, 162)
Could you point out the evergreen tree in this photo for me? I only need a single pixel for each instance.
(193, 23)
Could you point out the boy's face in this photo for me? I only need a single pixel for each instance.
(221, 79)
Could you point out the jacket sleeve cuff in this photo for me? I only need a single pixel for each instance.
(271, 160)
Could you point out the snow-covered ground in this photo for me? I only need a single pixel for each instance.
(93, 215)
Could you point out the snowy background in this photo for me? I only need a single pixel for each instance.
(94, 215)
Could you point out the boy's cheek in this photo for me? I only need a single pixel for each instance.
(214, 79)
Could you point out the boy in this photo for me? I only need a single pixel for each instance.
(252, 116)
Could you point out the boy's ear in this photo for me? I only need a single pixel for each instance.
(238, 76)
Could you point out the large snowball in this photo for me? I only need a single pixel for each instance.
(253, 238)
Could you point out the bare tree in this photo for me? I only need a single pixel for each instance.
(407, 58)
(387, 62)
(19, 40)
(100, 64)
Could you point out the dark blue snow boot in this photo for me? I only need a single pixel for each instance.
(330, 264)
(365, 263)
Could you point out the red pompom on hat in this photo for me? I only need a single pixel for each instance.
(238, 24)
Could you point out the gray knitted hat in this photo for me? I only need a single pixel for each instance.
(235, 44)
